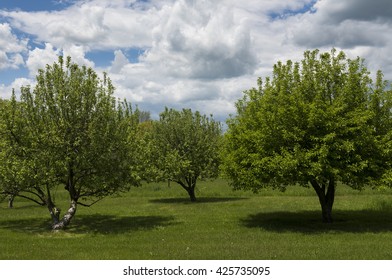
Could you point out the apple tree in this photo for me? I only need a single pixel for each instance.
(312, 123)
(68, 130)
(184, 147)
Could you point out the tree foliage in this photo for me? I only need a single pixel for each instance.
(184, 147)
(69, 130)
(312, 123)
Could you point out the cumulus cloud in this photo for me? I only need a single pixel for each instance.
(78, 54)
(336, 11)
(120, 60)
(93, 24)
(193, 42)
(198, 54)
(345, 24)
(10, 48)
(77, 25)
(39, 58)
(16, 85)
(359, 27)
(347, 34)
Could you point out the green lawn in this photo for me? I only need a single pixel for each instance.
(157, 222)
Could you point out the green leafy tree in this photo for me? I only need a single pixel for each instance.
(311, 124)
(14, 159)
(3, 107)
(70, 131)
(184, 147)
(381, 106)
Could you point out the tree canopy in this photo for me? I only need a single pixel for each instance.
(68, 130)
(312, 123)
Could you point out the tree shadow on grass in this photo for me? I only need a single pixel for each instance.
(96, 224)
(186, 200)
(110, 224)
(33, 225)
(310, 222)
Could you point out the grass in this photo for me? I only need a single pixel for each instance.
(158, 222)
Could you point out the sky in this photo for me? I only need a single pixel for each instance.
(196, 54)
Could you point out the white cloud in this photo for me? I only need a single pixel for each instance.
(9, 42)
(10, 48)
(76, 25)
(199, 54)
(120, 60)
(39, 58)
(6, 90)
(359, 27)
(77, 53)
(191, 42)
(93, 24)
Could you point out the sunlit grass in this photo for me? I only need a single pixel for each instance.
(158, 222)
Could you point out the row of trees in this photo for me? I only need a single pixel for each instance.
(313, 123)
(70, 131)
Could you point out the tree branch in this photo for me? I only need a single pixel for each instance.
(181, 184)
(91, 204)
(43, 203)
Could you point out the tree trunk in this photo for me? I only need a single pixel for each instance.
(326, 197)
(67, 217)
(191, 192)
(190, 188)
(54, 212)
(11, 201)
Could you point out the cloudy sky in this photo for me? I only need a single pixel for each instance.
(197, 54)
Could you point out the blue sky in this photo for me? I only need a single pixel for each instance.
(289, 12)
(36, 5)
(195, 54)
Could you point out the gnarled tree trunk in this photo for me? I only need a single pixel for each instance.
(67, 217)
(326, 195)
(70, 187)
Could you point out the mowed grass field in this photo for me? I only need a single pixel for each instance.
(158, 222)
